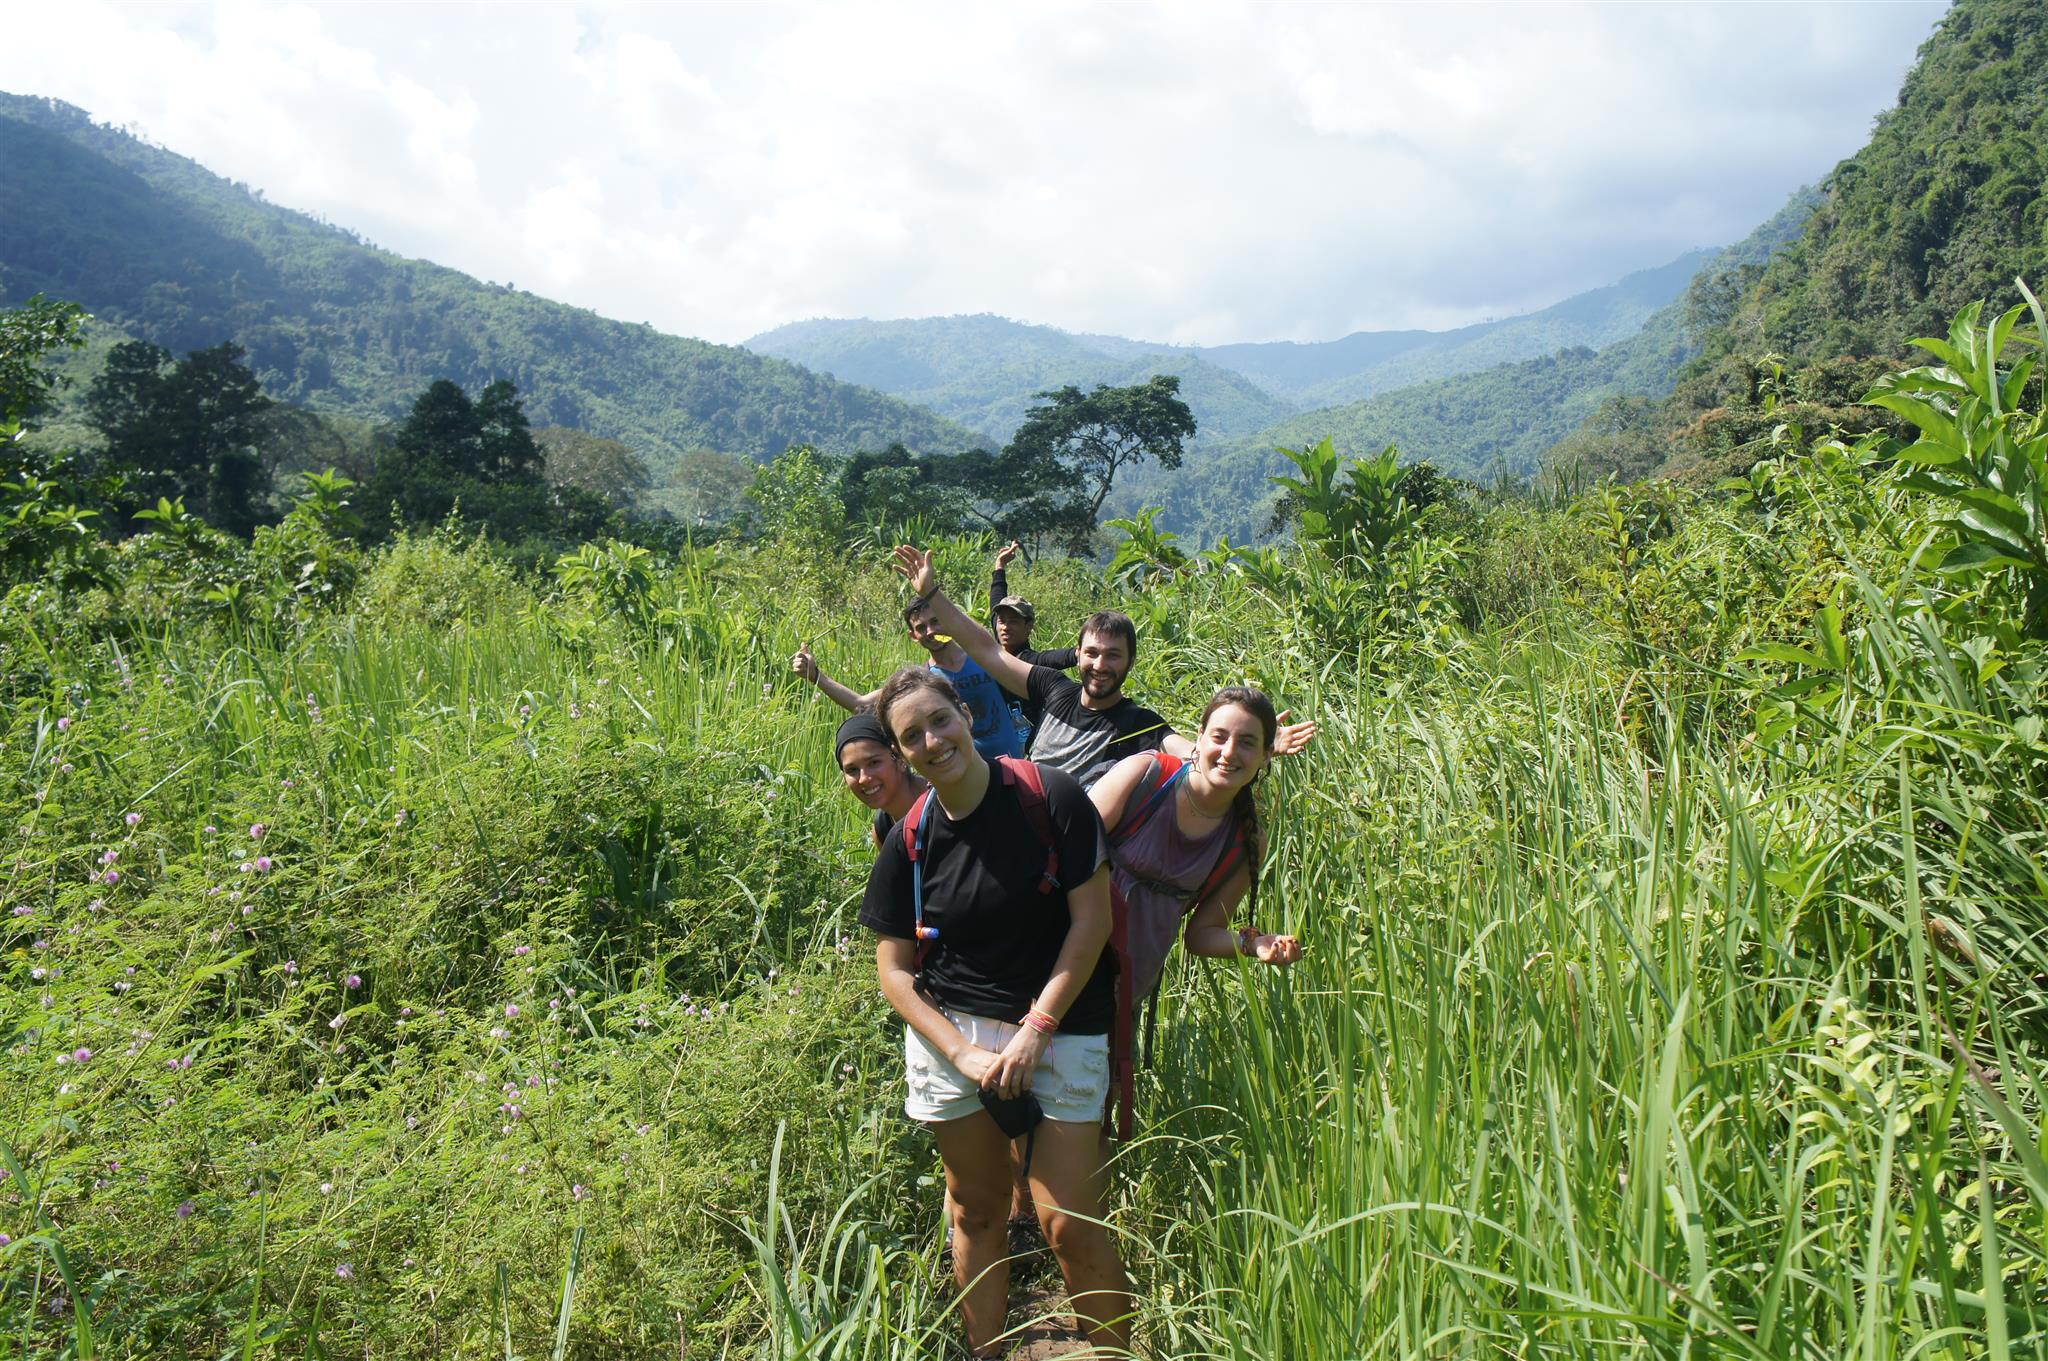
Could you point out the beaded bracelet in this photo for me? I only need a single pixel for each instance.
(1248, 940)
(1044, 1022)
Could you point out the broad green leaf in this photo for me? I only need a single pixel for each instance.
(1828, 639)
(1936, 426)
(1781, 652)
(1979, 557)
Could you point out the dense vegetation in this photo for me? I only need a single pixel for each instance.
(154, 245)
(408, 958)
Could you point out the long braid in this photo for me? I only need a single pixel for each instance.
(1246, 810)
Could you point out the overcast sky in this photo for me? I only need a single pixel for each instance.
(1182, 172)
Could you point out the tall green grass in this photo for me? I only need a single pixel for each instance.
(1663, 996)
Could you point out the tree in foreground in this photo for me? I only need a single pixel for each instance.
(479, 455)
(186, 428)
(1092, 435)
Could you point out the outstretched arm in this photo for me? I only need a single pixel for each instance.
(1290, 739)
(1208, 931)
(805, 665)
(1012, 673)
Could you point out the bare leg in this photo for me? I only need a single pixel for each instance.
(978, 1175)
(1072, 1187)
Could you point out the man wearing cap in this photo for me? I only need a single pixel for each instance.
(1013, 617)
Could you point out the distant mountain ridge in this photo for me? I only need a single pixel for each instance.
(981, 370)
(166, 251)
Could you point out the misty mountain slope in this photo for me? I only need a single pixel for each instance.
(160, 247)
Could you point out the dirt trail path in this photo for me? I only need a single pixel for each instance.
(1049, 1337)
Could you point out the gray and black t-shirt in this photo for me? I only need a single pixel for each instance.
(1086, 742)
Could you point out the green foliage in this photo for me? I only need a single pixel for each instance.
(180, 258)
(479, 456)
(1094, 435)
(602, 467)
(29, 334)
(185, 429)
(1983, 452)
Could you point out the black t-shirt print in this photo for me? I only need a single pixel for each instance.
(1082, 741)
(999, 937)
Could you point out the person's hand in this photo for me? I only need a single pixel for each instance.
(916, 567)
(1011, 1073)
(1280, 950)
(1008, 551)
(1289, 739)
(804, 664)
(975, 1064)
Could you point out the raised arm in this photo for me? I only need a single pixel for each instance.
(999, 582)
(1012, 673)
(805, 665)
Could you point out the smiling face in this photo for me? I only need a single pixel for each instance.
(933, 733)
(1013, 631)
(1104, 662)
(1232, 747)
(873, 773)
(924, 630)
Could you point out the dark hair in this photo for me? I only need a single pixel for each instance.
(1244, 806)
(1110, 624)
(912, 678)
(922, 602)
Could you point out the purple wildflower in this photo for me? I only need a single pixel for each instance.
(64, 723)
(256, 831)
(263, 864)
(109, 857)
(522, 949)
(133, 819)
(185, 1209)
(354, 980)
(345, 1271)
(111, 877)
(511, 1011)
(80, 1054)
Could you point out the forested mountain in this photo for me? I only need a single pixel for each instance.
(158, 246)
(1944, 206)
(983, 371)
(1338, 371)
(1481, 425)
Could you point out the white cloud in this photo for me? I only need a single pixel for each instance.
(1191, 173)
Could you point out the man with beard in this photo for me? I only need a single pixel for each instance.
(1086, 726)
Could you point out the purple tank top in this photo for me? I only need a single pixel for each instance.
(1159, 871)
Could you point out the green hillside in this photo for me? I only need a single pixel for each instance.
(161, 248)
(1479, 426)
(1358, 366)
(984, 371)
(1942, 207)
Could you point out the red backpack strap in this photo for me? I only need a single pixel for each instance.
(1166, 769)
(1123, 1037)
(1029, 782)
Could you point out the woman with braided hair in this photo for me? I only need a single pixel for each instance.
(1185, 848)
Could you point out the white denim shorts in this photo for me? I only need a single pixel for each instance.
(1070, 1082)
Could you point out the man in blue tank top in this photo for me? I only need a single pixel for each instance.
(995, 731)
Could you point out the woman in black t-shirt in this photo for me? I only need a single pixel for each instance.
(1010, 994)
